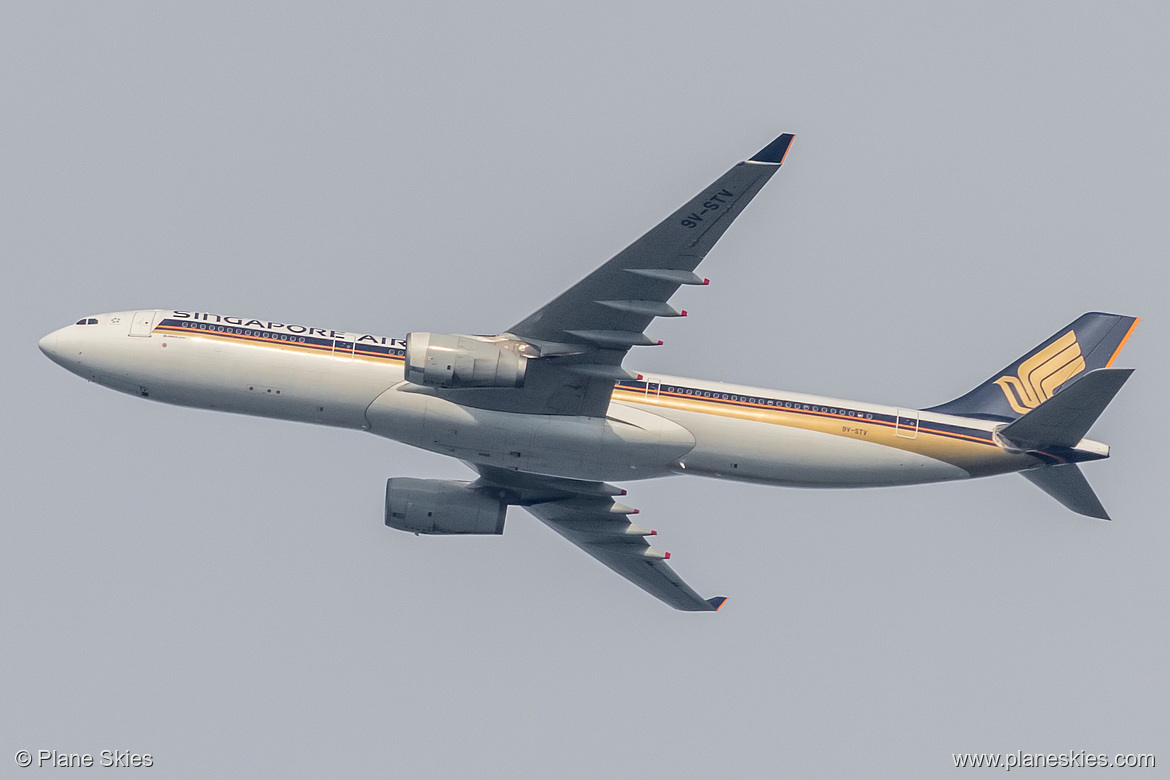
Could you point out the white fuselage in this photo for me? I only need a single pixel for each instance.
(657, 426)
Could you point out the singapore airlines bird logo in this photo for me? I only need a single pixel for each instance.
(1042, 373)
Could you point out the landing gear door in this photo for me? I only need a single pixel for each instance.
(142, 324)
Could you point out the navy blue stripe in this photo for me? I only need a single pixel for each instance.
(261, 336)
(843, 413)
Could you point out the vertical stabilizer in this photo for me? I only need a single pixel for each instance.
(1090, 342)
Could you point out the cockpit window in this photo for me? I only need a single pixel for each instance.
(87, 321)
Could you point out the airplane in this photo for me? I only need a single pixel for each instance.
(549, 418)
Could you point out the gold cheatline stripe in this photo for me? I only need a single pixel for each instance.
(720, 405)
(636, 396)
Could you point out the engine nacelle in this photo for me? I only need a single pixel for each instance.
(441, 506)
(446, 360)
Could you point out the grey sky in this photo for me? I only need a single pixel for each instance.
(221, 592)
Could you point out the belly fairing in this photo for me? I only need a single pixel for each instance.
(628, 443)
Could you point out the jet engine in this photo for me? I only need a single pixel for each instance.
(446, 360)
(442, 506)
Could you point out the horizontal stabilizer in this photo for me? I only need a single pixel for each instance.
(1068, 485)
(1065, 418)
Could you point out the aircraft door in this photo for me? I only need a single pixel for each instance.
(343, 349)
(907, 424)
(652, 390)
(142, 324)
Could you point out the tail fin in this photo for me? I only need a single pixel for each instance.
(1091, 342)
(1068, 485)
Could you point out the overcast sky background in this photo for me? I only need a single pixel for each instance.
(221, 591)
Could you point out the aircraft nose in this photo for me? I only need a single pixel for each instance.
(61, 346)
(48, 345)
